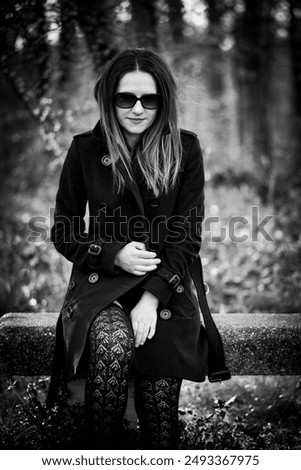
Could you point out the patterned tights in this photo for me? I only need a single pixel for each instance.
(111, 349)
(156, 403)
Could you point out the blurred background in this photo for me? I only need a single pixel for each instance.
(238, 67)
(237, 63)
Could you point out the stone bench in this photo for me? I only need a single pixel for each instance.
(255, 344)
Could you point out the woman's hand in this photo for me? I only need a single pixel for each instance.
(144, 318)
(135, 259)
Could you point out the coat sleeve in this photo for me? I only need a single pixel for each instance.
(184, 238)
(68, 233)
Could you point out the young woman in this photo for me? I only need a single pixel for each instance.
(130, 304)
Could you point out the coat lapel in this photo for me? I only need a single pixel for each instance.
(132, 186)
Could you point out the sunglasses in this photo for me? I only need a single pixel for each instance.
(128, 100)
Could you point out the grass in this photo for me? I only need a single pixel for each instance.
(243, 413)
(269, 407)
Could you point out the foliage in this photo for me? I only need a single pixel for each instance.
(30, 424)
(219, 431)
(264, 413)
(257, 417)
(252, 276)
(49, 58)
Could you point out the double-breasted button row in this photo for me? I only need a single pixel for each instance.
(165, 314)
(93, 278)
(71, 285)
(179, 289)
(106, 160)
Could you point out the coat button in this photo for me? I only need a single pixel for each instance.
(206, 288)
(179, 289)
(71, 285)
(93, 278)
(70, 311)
(154, 202)
(165, 314)
(106, 160)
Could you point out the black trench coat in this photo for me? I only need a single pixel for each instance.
(169, 225)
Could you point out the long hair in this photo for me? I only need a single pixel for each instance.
(158, 152)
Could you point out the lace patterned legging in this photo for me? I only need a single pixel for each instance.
(111, 349)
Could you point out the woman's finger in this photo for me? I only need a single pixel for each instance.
(145, 254)
(152, 330)
(139, 245)
(144, 269)
(135, 327)
(140, 270)
(142, 333)
(138, 336)
(148, 262)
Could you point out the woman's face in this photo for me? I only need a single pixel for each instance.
(137, 119)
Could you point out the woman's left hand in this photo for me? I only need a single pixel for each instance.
(144, 318)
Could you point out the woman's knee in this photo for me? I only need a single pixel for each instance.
(111, 336)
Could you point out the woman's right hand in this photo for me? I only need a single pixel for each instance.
(135, 259)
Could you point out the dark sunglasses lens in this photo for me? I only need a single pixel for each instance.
(150, 101)
(125, 100)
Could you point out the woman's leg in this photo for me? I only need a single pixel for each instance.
(111, 347)
(156, 402)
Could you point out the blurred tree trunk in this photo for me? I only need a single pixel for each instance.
(68, 37)
(7, 34)
(145, 23)
(24, 47)
(97, 21)
(175, 15)
(215, 10)
(295, 43)
(254, 55)
(41, 51)
(26, 22)
(295, 36)
(266, 115)
(213, 14)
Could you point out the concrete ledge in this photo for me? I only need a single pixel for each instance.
(27, 343)
(255, 344)
(261, 343)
